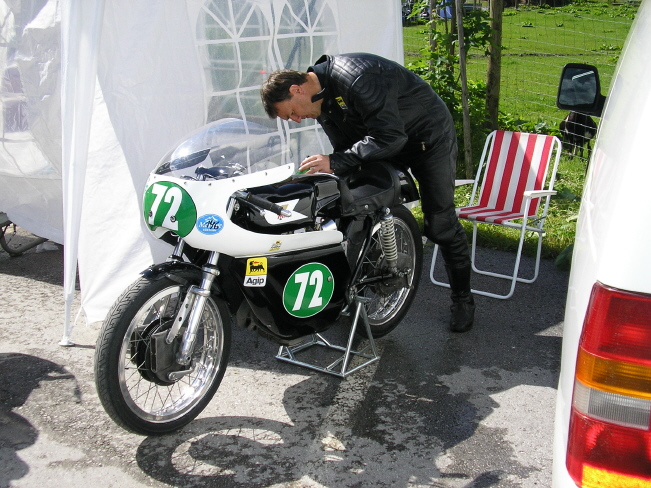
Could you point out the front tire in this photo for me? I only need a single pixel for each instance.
(130, 384)
(389, 302)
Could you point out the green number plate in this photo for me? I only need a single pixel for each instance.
(308, 290)
(167, 205)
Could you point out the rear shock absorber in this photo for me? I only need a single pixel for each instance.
(388, 240)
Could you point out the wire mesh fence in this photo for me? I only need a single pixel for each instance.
(537, 41)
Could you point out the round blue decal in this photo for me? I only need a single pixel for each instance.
(210, 224)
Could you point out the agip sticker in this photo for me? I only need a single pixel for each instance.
(256, 272)
(308, 290)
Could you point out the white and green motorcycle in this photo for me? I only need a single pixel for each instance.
(282, 253)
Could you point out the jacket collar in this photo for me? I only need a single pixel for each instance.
(321, 68)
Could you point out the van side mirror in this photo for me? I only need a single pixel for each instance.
(579, 90)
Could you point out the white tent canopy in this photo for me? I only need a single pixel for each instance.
(95, 93)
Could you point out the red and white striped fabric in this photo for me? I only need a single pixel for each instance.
(517, 162)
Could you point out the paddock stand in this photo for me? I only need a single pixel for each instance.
(340, 367)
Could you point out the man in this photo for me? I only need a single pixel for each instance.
(373, 109)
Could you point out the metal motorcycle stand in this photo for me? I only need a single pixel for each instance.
(288, 353)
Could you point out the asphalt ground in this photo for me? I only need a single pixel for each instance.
(437, 410)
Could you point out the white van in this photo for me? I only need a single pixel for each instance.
(602, 435)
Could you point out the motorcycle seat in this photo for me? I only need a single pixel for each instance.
(370, 188)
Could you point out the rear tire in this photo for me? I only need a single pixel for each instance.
(390, 303)
(130, 384)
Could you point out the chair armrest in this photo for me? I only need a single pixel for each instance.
(463, 182)
(538, 193)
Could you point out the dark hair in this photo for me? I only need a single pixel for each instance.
(276, 88)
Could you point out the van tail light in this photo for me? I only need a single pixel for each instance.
(609, 443)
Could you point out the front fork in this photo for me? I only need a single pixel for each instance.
(192, 309)
(193, 304)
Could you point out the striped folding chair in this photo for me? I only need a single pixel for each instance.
(514, 192)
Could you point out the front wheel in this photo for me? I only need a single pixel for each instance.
(390, 300)
(139, 383)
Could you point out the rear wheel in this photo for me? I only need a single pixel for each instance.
(139, 383)
(390, 299)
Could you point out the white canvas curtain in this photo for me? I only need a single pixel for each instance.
(131, 79)
(30, 123)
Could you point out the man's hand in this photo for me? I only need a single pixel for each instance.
(316, 164)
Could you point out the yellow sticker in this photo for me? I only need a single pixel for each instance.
(276, 246)
(256, 266)
(341, 103)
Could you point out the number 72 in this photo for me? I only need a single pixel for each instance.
(315, 279)
(308, 290)
(167, 194)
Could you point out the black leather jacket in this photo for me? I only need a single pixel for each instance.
(375, 109)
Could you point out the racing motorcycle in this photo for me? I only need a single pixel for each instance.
(287, 255)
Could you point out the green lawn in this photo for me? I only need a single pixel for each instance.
(537, 43)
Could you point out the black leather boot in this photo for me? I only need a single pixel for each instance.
(462, 311)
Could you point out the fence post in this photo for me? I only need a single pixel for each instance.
(432, 31)
(467, 142)
(493, 75)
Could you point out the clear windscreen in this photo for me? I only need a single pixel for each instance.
(224, 148)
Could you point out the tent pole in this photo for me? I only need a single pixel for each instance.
(80, 36)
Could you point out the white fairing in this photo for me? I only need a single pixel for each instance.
(246, 155)
(613, 236)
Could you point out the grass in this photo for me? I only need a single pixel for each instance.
(537, 43)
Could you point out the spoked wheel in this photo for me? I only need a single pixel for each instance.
(390, 299)
(138, 381)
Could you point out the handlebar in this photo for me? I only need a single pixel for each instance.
(262, 203)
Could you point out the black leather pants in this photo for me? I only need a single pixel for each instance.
(435, 170)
